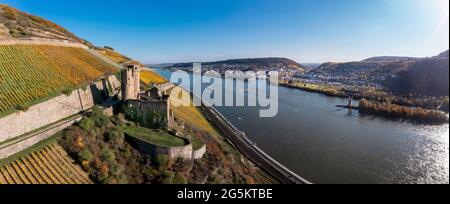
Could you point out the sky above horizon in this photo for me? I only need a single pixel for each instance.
(308, 31)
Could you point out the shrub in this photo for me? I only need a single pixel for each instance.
(167, 177)
(86, 124)
(109, 48)
(115, 136)
(66, 91)
(155, 120)
(85, 155)
(132, 114)
(21, 107)
(150, 173)
(179, 179)
(118, 120)
(100, 119)
(161, 161)
(10, 13)
(108, 155)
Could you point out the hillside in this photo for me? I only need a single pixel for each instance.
(349, 66)
(113, 55)
(444, 54)
(389, 59)
(18, 25)
(422, 76)
(32, 73)
(251, 64)
(426, 77)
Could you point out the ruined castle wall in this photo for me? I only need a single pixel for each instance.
(198, 154)
(115, 83)
(147, 106)
(51, 111)
(184, 152)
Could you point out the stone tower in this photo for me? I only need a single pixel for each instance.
(137, 80)
(131, 82)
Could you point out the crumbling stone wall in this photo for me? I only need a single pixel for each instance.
(162, 106)
(198, 154)
(184, 152)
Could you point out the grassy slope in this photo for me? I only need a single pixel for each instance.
(154, 137)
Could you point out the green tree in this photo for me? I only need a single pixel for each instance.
(85, 155)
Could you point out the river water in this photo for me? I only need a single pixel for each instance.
(326, 144)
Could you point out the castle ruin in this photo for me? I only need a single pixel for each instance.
(153, 100)
(131, 86)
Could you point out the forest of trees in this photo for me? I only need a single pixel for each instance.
(390, 110)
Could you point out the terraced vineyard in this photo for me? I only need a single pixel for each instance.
(50, 165)
(30, 73)
(113, 55)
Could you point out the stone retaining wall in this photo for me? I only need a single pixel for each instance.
(51, 111)
(8, 149)
(43, 41)
(184, 152)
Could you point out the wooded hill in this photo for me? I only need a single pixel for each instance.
(422, 76)
(251, 63)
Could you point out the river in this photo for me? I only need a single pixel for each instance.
(326, 144)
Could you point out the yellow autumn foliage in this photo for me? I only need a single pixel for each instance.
(150, 77)
(29, 73)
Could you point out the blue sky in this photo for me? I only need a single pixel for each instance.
(206, 30)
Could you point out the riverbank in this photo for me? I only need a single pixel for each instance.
(380, 103)
(422, 116)
(353, 148)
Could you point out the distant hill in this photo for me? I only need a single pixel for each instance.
(389, 59)
(250, 63)
(426, 77)
(17, 24)
(444, 54)
(390, 64)
(330, 67)
(310, 66)
(385, 64)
